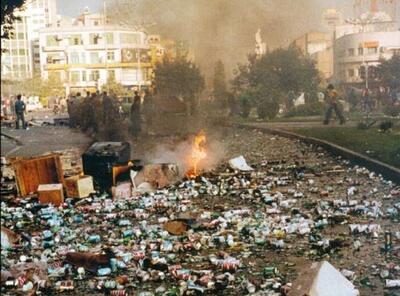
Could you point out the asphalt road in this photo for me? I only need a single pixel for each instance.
(40, 139)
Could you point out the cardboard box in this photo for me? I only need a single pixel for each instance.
(51, 193)
(79, 186)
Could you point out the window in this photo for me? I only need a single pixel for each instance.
(372, 50)
(111, 74)
(96, 23)
(110, 56)
(52, 40)
(360, 51)
(75, 76)
(95, 58)
(94, 75)
(14, 52)
(109, 38)
(350, 52)
(22, 51)
(21, 36)
(350, 72)
(74, 58)
(130, 38)
(94, 38)
(83, 75)
(75, 40)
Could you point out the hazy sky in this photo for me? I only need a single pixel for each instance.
(221, 29)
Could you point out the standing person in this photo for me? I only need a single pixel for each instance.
(352, 99)
(332, 98)
(148, 109)
(367, 100)
(107, 108)
(135, 116)
(20, 108)
(63, 104)
(72, 108)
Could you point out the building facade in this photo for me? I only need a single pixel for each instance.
(21, 57)
(318, 46)
(88, 52)
(357, 54)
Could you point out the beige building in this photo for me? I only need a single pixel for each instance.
(88, 52)
(318, 46)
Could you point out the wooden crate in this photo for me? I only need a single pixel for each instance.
(31, 172)
(79, 186)
(51, 193)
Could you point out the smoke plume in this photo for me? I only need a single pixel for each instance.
(223, 29)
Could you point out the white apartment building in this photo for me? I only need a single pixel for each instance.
(361, 46)
(86, 53)
(21, 52)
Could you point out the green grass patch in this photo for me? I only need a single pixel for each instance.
(381, 146)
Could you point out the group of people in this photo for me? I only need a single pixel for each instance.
(97, 110)
(369, 100)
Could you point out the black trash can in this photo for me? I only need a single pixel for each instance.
(99, 159)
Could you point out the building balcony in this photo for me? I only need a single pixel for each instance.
(53, 67)
(101, 46)
(54, 48)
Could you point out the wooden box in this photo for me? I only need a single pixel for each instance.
(32, 172)
(51, 193)
(79, 186)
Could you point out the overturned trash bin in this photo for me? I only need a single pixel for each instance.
(101, 157)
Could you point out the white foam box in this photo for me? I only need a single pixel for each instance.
(79, 186)
(51, 193)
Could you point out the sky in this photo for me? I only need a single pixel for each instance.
(220, 29)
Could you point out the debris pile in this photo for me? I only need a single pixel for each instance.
(247, 227)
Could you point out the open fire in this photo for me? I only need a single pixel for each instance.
(198, 153)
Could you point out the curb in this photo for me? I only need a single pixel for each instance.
(18, 142)
(387, 171)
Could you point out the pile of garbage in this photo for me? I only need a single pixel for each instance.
(238, 229)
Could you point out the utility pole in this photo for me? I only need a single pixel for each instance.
(105, 44)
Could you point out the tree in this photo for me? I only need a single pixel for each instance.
(178, 78)
(389, 71)
(271, 77)
(114, 88)
(7, 15)
(219, 84)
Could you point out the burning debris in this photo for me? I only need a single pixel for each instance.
(198, 153)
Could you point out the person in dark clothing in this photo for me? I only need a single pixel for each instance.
(107, 108)
(332, 98)
(135, 116)
(20, 108)
(367, 101)
(148, 109)
(352, 99)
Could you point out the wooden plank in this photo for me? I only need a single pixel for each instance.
(32, 172)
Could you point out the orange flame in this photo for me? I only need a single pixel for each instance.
(198, 153)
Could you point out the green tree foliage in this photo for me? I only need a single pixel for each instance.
(178, 78)
(271, 77)
(219, 84)
(114, 88)
(7, 15)
(37, 86)
(389, 71)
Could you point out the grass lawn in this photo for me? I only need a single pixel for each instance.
(381, 146)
